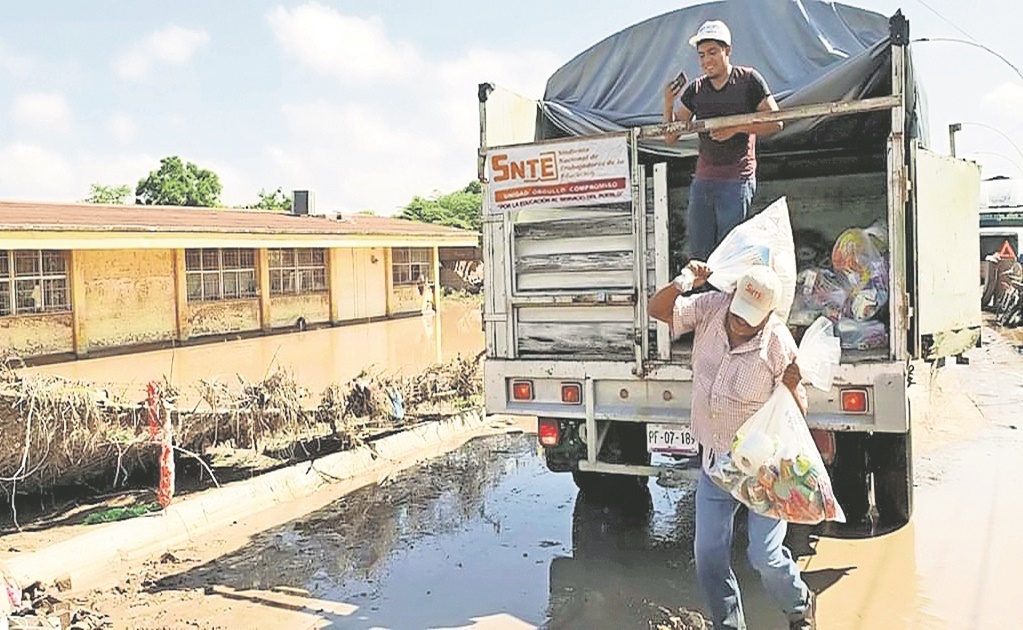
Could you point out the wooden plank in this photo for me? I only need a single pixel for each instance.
(899, 323)
(818, 110)
(661, 253)
(573, 245)
(598, 280)
(594, 261)
(578, 340)
(616, 224)
(575, 314)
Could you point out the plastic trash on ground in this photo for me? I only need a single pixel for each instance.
(774, 467)
(764, 239)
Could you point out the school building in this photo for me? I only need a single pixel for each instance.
(83, 279)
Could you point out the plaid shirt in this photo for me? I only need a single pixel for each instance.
(729, 384)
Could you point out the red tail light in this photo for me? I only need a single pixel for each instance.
(549, 432)
(571, 393)
(854, 400)
(522, 390)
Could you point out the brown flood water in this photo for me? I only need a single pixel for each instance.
(957, 565)
(317, 358)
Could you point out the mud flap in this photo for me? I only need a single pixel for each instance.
(850, 476)
(891, 457)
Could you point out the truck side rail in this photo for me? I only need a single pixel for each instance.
(817, 110)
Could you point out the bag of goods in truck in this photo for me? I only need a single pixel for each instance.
(764, 239)
(774, 466)
(856, 256)
(820, 292)
(862, 335)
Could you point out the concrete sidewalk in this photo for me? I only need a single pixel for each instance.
(89, 558)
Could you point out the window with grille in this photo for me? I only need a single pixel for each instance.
(411, 265)
(33, 281)
(220, 274)
(297, 271)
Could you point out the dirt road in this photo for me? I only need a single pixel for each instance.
(487, 538)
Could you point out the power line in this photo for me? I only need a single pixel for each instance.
(947, 21)
(998, 131)
(975, 45)
(1008, 159)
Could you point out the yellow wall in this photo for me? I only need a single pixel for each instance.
(406, 299)
(286, 309)
(220, 317)
(128, 298)
(37, 335)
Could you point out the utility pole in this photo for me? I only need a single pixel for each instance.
(952, 129)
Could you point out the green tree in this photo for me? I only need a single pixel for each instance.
(176, 183)
(275, 200)
(459, 209)
(110, 195)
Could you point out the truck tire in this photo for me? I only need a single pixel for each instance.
(625, 444)
(892, 461)
(850, 476)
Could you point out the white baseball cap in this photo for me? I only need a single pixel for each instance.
(712, 29)
(756, 294)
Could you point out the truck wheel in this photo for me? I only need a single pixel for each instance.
(849, 475)
(892, 461)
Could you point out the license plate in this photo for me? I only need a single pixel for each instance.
(670, 438)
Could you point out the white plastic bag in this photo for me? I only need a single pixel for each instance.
(820, 352)
(774, 467)
(764, 239)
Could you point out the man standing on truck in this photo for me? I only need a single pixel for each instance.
(722, 191)
(741, 352)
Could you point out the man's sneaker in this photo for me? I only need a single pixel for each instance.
(809, 620)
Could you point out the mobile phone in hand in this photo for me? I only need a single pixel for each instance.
(680, 80)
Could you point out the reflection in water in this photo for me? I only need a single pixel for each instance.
(317, 358)
(484, 531)
(464, 536)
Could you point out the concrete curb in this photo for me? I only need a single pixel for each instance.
(87, 556)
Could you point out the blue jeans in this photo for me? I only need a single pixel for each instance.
(715, 520)
(715, 207)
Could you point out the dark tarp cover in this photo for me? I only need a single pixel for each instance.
(809, 51)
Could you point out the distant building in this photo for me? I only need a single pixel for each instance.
(82, 279)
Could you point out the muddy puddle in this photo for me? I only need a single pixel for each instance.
(486, 537)
(317, 358)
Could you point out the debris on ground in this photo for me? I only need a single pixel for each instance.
(681, 619)
(66, 433)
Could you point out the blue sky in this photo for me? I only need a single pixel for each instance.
(365, 103)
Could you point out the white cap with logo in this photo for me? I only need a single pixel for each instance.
(712, 29)
(756, 294)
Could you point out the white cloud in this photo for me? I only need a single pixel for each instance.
(42, 110)
(1007, 97)
(173, 45)
(31, 172)
(360, 154)
(37, 173)
(344, 46)
(17, 65)
(123, 128)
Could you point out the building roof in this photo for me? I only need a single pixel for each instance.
(25, 216)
